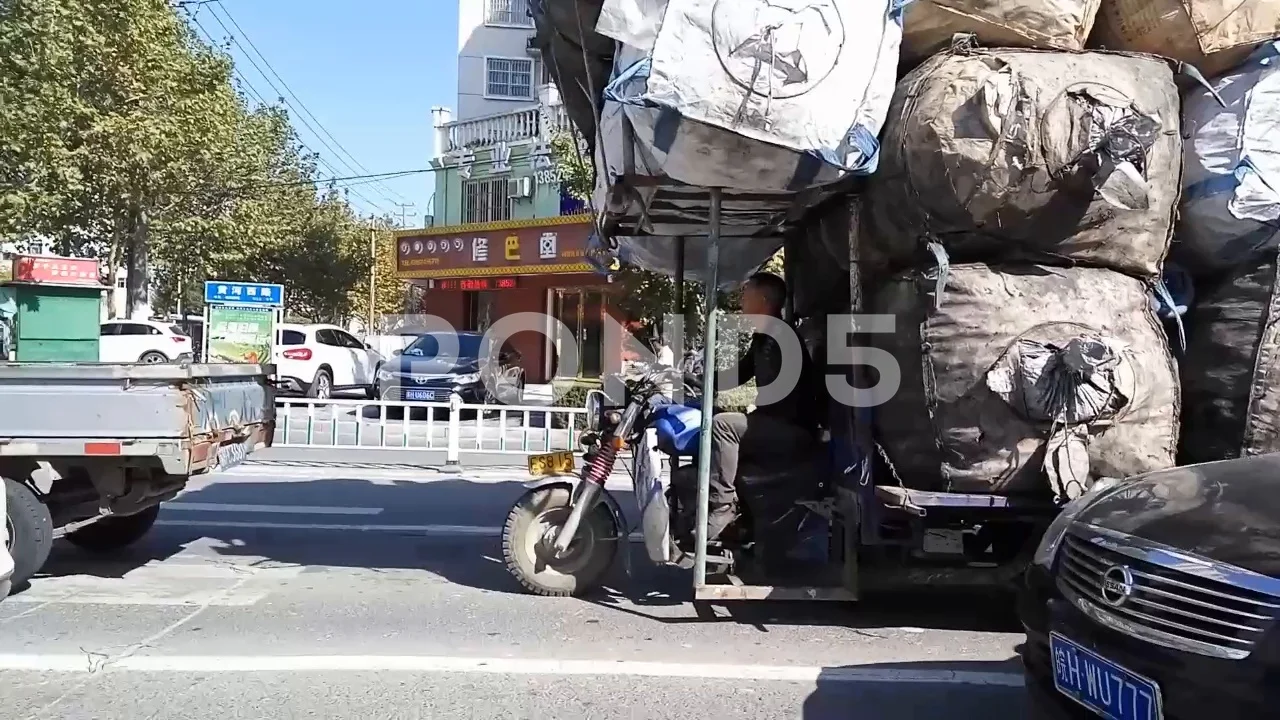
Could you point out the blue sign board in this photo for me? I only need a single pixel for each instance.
(222, 292)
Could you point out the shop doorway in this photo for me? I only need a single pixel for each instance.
(583, 312)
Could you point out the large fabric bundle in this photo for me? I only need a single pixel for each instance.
(1032, 155)
(1230, 377)
(747, 94)
(1046, 24)
(1231, 187)
(1213, 35)
(1023, 379)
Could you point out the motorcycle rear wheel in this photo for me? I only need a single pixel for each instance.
(531, 529)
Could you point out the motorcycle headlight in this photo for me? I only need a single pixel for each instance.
(1057, 530)
(466, 379)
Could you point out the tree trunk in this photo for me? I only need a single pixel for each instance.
(137, 295)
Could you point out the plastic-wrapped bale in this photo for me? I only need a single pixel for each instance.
(1025, 379)
(1230, 375)
(1213, 35)
(1231, 182)
(1029, 155)
(747, 94)
(1046, 24)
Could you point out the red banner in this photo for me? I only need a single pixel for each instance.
(60, 270)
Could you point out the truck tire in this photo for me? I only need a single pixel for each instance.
(30, 531)
(114, 533)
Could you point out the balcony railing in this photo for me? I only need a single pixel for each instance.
(522, 125)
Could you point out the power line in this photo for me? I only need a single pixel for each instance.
(286, 102)
(301, 105)
(355, 165)
(255, 93)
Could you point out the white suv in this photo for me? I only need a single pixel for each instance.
(142, 341)
(318, 360)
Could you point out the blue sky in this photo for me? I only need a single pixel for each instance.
(368, 71)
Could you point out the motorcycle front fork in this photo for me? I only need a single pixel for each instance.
(588, 493)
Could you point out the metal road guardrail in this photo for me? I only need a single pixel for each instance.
(454, 427)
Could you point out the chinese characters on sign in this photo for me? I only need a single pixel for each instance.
(240, 334)
(221, 292)
(67, 271)
(462, 251)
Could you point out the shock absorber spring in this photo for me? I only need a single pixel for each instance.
(602, 464)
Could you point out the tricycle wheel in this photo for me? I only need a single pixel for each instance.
(531, 529)
(115, 532)
(29, 531)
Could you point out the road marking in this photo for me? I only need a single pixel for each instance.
(510, 666)
(440, 530)
(277, 509)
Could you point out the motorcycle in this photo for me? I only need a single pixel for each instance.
(565, 532)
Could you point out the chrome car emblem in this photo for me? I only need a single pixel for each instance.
(1117, 585)
(421, 379)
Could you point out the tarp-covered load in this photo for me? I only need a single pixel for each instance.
(1046, 24)
(1231, 181)
(1213, 35)
(776, 95)
(1230, 375)
(1027, 154)
(1024, 379)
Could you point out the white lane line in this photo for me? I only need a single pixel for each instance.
(439, 530)
(511, 666)
(276, 509)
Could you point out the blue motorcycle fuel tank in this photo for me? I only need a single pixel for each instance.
(677, 427)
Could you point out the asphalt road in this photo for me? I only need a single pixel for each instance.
(273, 592)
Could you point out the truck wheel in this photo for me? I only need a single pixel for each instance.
(115, 532)
(530, 530)
(29, 530)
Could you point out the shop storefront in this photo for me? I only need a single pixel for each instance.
(473, 275)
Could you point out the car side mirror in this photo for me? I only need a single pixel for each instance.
(367, 346)
(397, 352)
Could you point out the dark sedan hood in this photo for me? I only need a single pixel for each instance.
(413, 365)
(1227, 511)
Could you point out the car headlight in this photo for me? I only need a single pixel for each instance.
(1052, 538)
(385, 374)
(466, 379)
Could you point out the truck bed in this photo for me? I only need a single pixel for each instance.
(187, 413)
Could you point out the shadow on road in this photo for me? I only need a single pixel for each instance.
(980, 690)
(451, 529)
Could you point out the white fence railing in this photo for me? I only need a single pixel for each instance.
(454, 427)
(513, 126)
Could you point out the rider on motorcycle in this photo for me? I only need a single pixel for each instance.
(773, 433)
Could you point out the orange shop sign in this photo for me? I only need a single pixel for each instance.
(540, 248)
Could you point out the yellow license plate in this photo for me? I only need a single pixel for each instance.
(556, 463)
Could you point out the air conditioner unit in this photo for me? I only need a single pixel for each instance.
(520, 188)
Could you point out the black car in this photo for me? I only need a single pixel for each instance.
(1156, 598)
(436, 365)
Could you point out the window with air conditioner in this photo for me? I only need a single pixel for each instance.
(487, 200)
(508, 12)
(508, 78)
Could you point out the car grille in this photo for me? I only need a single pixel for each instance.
(1213, 617)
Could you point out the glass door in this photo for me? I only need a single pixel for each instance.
(582, 312)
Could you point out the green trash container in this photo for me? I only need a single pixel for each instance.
(56, 322)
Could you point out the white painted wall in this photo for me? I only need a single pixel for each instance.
(476, 41)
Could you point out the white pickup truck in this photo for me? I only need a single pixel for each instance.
(88, 451)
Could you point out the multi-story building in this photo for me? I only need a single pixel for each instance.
(506, 237)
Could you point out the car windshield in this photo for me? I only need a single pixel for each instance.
(432, 345)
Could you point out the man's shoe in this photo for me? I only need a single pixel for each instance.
(720, 517)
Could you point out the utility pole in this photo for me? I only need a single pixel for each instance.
(373, 274)
(404, 216)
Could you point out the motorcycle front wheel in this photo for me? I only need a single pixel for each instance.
(529, 535)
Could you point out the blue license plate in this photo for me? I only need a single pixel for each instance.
(1104, 687)
(420, 395)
